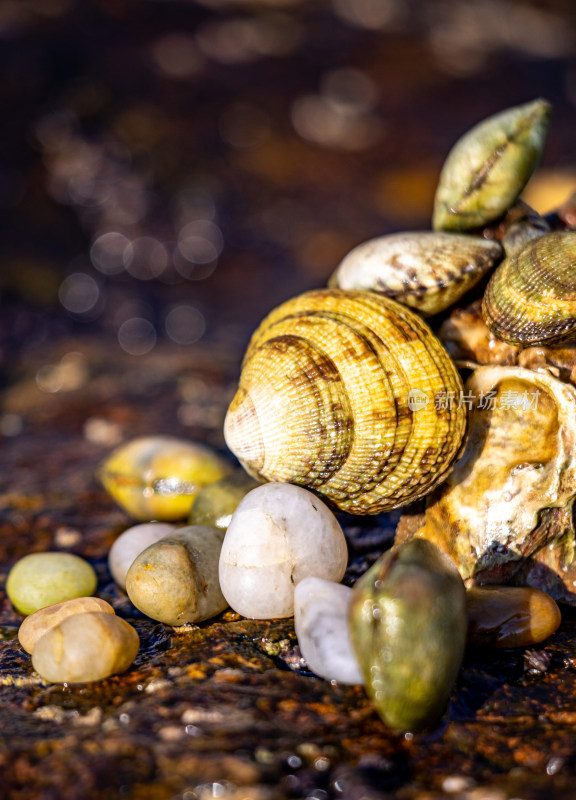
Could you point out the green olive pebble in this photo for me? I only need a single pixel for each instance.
(84, 648)
(42, 579)
(408, 630)
(216, 502)
(40, 622)
(176, 580)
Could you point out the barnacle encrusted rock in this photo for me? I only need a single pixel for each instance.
(504, 514)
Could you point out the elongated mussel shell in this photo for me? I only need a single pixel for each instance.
(424, 270)
(408, 628)
(489, 166)
(531, 298)
(339, 393)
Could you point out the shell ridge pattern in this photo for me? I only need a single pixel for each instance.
(360, 346)
(385, 350)
(531, 297)
(443, 431)
(366, 352)
(329, 407)
(379, 463)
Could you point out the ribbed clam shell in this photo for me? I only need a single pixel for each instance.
(531, 298)
(489, 166)
(324, 401)
(424, 270)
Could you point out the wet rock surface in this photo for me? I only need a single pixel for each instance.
(230, 702)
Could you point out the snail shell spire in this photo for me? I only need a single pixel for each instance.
(324, 401)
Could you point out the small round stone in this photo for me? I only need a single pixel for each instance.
(176, 580)
(278, 535)
(216, 502)
(510, 616)
(43, 620)
(131, 543)
(84, 648)
(42, 579)
(321, 610)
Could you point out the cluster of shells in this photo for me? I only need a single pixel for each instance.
(349, 400)
(346, 391)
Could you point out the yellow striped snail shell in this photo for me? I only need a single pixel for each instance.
(344, 393)
(531, 298)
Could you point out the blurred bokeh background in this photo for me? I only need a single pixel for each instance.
(171, 169)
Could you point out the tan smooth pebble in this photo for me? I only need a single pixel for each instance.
(85, 648)
(43, 620)
(510, 616)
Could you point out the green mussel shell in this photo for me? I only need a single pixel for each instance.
(408, 628)
(489, 166)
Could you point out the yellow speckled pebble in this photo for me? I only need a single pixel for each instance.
(43, 620)
(86, 648)
(158, 477)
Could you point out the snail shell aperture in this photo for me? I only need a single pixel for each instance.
(344, 393)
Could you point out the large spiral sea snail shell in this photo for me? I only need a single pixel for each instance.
(345, 393)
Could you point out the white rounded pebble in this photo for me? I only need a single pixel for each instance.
(321, 622)
(131, 543)
(278, 535)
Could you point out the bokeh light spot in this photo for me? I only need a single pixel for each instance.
(137, 336)
(107, 252)
(79, 293)
(185, 324)
(176, 55)
(145, 258)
